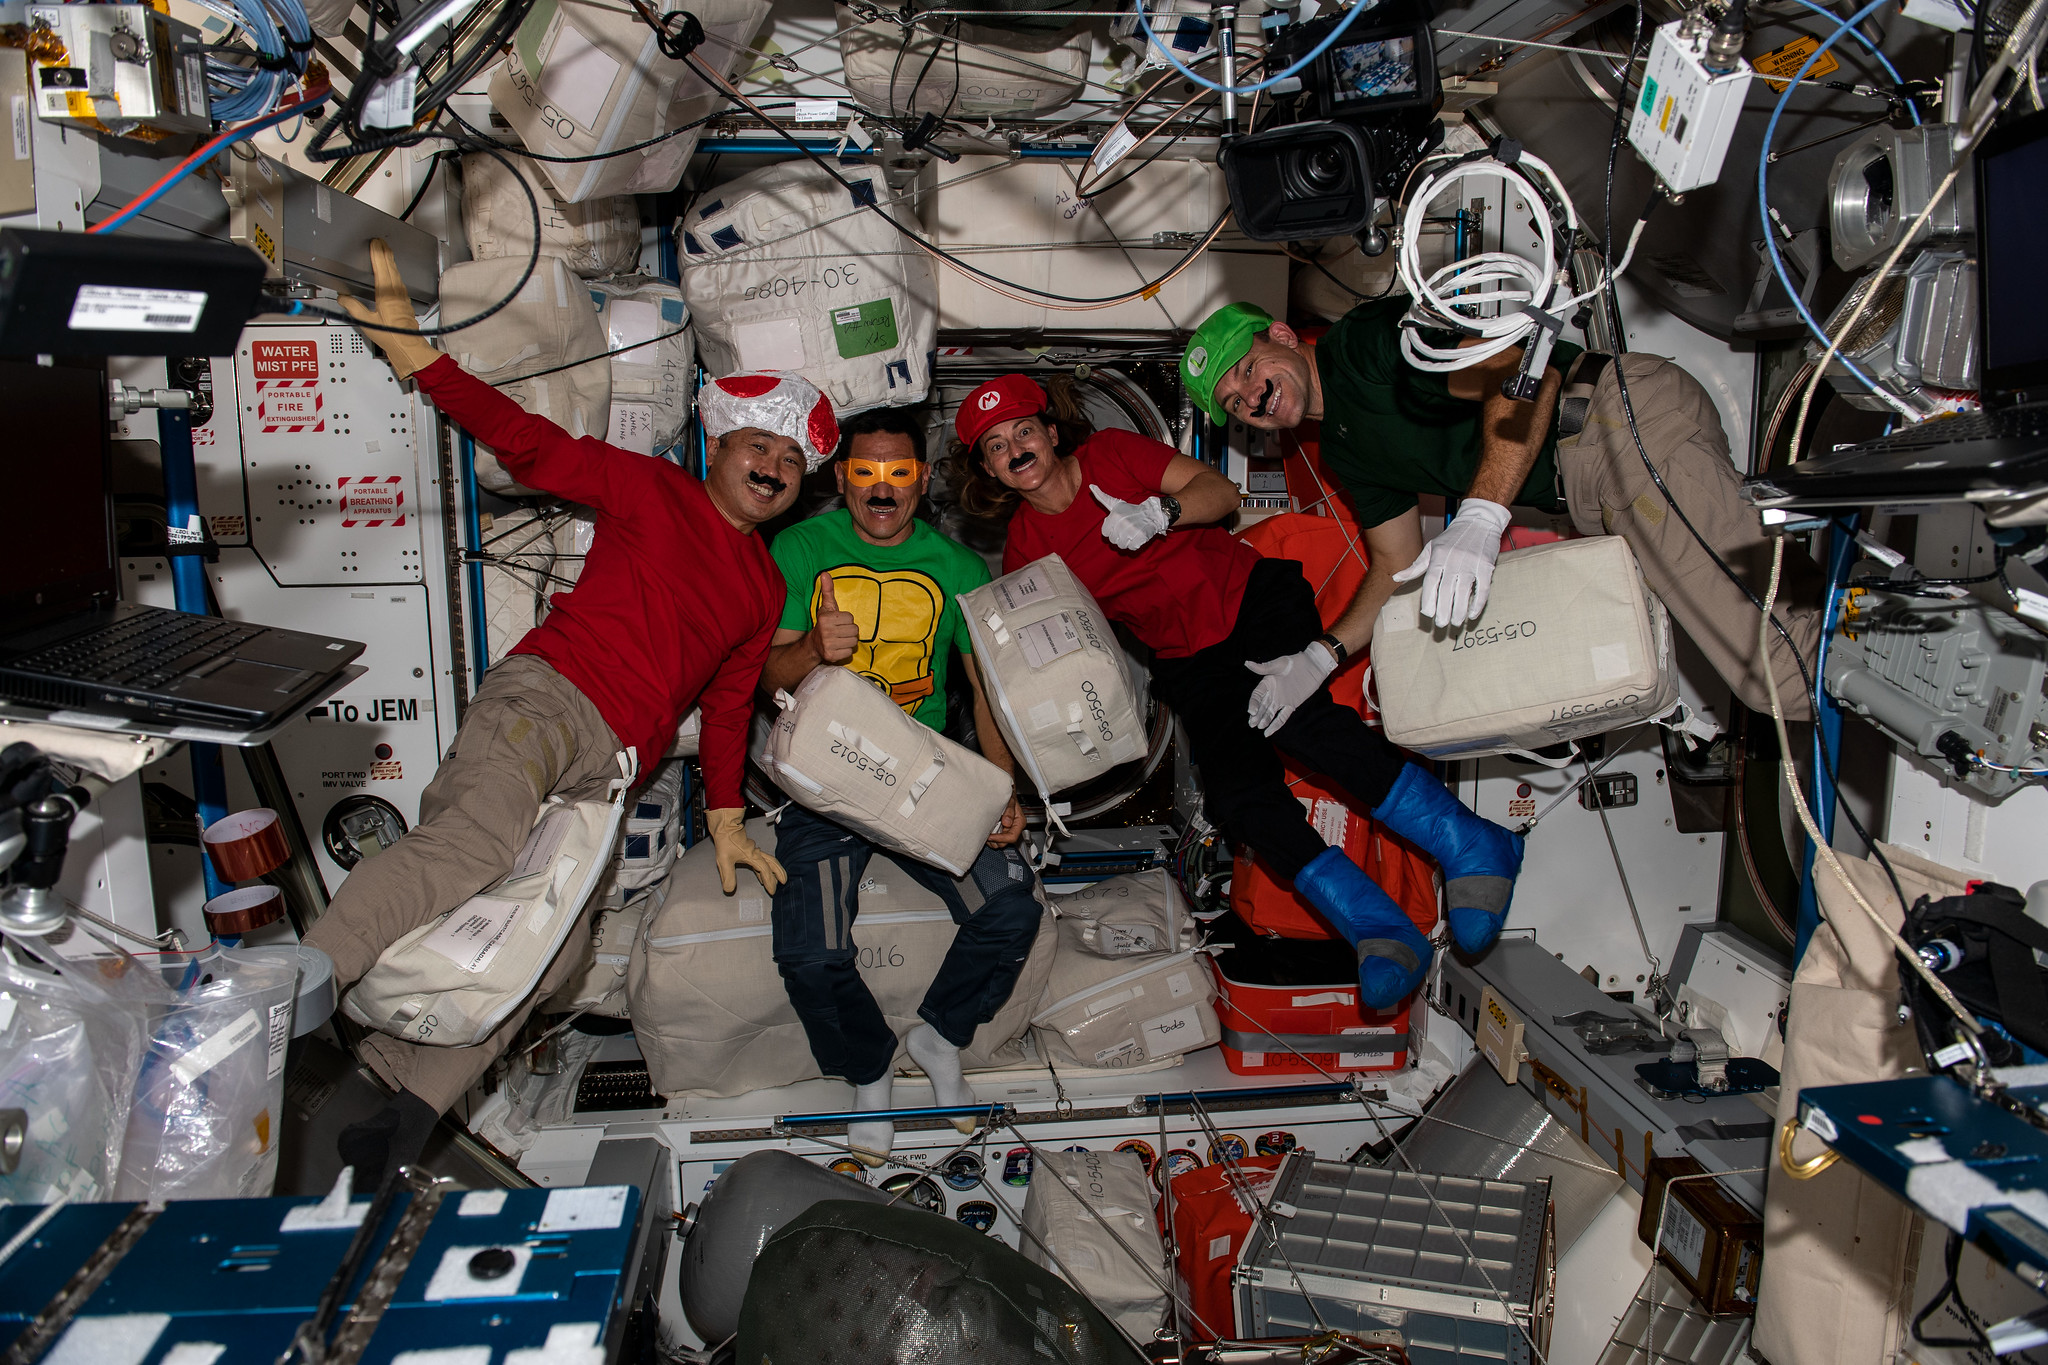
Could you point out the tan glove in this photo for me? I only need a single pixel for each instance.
(729, 834)
(408, 354)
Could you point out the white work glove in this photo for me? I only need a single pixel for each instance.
(1130, 524)
(1459, 563)
(1291, 680)
(734, 849)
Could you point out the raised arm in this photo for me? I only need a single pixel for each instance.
(539, 453)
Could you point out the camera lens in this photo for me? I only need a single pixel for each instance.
(1317, 169)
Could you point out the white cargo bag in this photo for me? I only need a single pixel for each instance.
(842, 748)
(654, 830)
(453, 980)
(550, 323)
(982, 71)
(654, 385)
(599, 987)
(784, 271)
(517, 578)
(587, 76)
(710, 1010)
(1088, 1219)
(689, 734)
(1055, 675)
(1572, 643)
(597, 237)
(1122, 1011)
(1135, 915)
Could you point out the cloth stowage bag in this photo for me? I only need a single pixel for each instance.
(598, 237)
(1572, 643)
(1123, 1009)
(710, 1010)
(455, 978)
(654, 830)
(599, 986)
(842, 748)
(1088, 1219)
(1135, 915)
(1055, 675)
(587, 76)
(785, 270)
(981, 71)
(653, 386)
(1838, 1248)
(550, 323)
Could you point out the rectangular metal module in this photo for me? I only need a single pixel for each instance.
(1456, 1264)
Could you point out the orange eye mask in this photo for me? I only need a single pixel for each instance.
(899, 473)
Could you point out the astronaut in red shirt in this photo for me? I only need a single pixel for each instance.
(675, 608)
(1136, 522)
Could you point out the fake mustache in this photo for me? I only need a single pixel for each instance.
(1265, 402)
(1021, 461)
(767, 481)
(879, 500)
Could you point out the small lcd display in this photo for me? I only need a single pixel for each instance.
(1382, 69)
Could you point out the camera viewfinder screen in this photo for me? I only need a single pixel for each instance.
(1382, 69)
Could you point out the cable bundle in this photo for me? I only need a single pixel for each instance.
(240, 92)
(1450, 296)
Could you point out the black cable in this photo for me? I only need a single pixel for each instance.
(870, 204)
(515, 149)
(532, 263)
(601, 355)
(1621, 110)
(420, 194)
(1951, 1260)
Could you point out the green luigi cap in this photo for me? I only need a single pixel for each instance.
(1218, 344)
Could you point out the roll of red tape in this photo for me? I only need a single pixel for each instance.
(246, 845)
(234, 913)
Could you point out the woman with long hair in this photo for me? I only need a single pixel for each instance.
(1138, 523)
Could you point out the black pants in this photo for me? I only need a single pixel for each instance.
(813, 917)
(1243, 783)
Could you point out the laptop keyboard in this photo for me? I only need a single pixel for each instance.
(2026, 422)
(141, 651)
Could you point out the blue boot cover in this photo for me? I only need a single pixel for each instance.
(1393, 955)
(1479, 858)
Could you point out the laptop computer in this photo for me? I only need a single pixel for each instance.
(67, 641)
(2001, 452)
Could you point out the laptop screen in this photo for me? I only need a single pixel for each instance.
(2012, 206)
(60, 542)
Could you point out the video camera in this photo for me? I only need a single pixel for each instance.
(1346, 129)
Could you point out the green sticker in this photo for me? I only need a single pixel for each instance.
(864, 328)
(1649, 94)
(531, 30)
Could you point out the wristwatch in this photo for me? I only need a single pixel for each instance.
(1171, 506)
(1335, 646)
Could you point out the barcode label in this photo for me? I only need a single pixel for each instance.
(114, 308)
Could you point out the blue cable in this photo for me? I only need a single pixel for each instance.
(1912, 107)
(1270, 81)
(1763, 170)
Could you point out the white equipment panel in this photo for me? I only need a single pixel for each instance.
(321, 479)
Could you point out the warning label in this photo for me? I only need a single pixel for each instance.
(387, 769)
(289, 406)
(1786, 61)
(285, 360)
(227, 528)
(372, 499)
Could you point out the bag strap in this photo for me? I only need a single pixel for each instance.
(854, 739)
(1688, 724)
(628, 760)
(923, 783)
(1542, 762)
(1077, 728)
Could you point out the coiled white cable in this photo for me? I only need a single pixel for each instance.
(1449, 295)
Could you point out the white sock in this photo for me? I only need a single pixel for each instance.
(940, 1061)
(872, 1139)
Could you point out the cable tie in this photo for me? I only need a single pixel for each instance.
(1507, 150)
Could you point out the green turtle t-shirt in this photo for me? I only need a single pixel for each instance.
(1391, 431)
(905, 598)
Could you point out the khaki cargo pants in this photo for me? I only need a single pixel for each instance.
(528, 734)
(1610, 492)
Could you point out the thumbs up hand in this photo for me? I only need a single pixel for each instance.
(836, 633)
